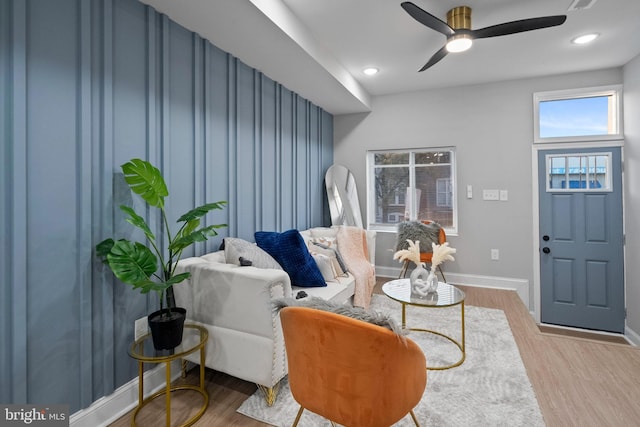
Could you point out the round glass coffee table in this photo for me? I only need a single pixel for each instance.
(446, 296)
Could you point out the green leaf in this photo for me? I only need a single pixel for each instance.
(187, 229)
(178, 278)
(200, 211)
(147, 286)
(132, 263)
(197, 236)
(104, 248)
(146, 180)
(137, 221)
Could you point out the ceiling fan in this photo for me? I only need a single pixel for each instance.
(458, 30)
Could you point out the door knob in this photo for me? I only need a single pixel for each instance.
(546, 250)
(545, 238)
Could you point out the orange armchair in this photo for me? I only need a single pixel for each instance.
(349, 371)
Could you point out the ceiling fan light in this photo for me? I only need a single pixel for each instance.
(459, 43)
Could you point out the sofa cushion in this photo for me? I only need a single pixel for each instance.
(235, 248)
(426, 234)
(325, 236)
(334, 255)
(325, 265)
(289, 249)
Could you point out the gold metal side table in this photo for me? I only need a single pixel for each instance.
(446, 296)
(194, 338)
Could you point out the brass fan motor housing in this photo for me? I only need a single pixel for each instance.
(459, 18)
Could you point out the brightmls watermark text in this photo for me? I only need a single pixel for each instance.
(34, 415)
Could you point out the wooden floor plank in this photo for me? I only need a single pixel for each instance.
(577, 381)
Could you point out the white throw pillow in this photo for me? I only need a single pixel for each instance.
(235, 248)
(336, 259)
(325, 266)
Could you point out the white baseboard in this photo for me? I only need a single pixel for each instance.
(107, 409)
(521, 286)
(632, 336)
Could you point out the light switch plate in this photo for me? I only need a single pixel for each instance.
(490, 195)
(469, 192)
(504, 195)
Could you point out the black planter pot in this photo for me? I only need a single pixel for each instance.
(166, 327)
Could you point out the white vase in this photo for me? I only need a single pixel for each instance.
(419, 282)
(432, 298)
(432, 282)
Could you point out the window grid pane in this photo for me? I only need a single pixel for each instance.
(578, 173)
(390, 199)
(428, 208)
(391, 158)
(576, 117)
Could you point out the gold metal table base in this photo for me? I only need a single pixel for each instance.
(137, 352)
(460, 344)
(167, 392)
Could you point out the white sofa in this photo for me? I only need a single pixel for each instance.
(234, 303)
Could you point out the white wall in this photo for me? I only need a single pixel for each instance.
(492, 127)
(632, 192)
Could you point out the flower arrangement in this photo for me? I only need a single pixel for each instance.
(412, 254)
(441, 253)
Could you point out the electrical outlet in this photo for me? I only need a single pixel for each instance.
(495, 254)
(141, 328)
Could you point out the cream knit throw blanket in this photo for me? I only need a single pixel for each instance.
(352, 242)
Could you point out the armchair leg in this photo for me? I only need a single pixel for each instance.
(183, 368)
(415, 420)
(444, 279)
(270, 393)
(297, 420)
(295, 423)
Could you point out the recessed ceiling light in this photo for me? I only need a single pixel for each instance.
(370, 71)
(584, 39)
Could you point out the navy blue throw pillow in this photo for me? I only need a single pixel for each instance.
(289, 249)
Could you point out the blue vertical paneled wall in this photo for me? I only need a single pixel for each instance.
(85, 86)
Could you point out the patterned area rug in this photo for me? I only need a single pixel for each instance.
(490, 388)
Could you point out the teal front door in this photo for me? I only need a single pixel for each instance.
(581, 238)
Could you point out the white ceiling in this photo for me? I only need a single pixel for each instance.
(318, 48)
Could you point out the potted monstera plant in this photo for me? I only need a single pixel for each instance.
(151, 266)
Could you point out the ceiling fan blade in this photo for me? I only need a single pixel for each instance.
(519, 26)
(427, 19)
(435, 58)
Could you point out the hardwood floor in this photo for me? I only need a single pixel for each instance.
(578, 381)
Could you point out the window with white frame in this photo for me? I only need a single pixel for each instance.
(406, 185)
(588, 114)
